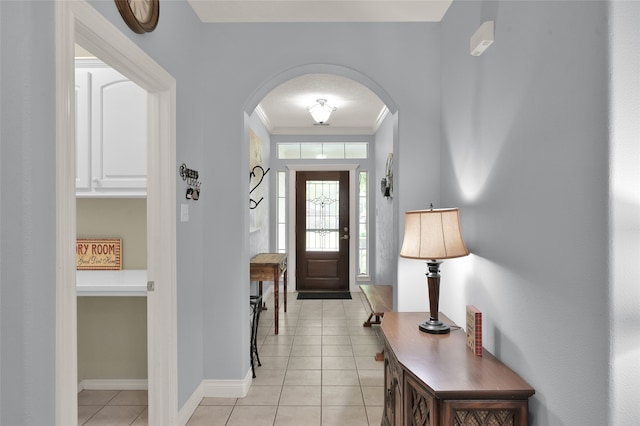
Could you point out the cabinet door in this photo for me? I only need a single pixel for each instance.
(420, 405)
(83, 131)
(387, 412)
(119, 133)
(485, 413)
(392, 414)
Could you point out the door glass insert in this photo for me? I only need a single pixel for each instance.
(322, 216)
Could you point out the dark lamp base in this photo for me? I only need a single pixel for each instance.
(434, 327)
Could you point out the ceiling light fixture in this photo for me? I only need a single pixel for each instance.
(321, 111)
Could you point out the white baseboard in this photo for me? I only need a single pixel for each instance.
(227, 388)
(190, 406)
(113, 384)
(214, 389)
(217, 388)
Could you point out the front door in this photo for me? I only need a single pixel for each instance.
(322, 231)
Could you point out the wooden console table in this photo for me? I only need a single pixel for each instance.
(435, 380)
(269, 267)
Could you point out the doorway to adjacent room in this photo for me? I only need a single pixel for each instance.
(79, 23)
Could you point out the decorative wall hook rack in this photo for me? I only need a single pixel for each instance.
(386, 184)
(191, 177)
(257, 173)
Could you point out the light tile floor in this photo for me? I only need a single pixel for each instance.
(112, 407)
(319, 370)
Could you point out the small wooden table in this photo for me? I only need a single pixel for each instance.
(269, 267)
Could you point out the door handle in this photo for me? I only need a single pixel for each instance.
(345, 236)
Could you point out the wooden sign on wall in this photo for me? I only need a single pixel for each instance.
(99, 254)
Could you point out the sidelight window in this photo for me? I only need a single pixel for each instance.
(363, 225)
(281, 213)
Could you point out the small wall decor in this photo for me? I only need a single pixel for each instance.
(191, 177)
(104, 254)
(386, 184)
(256, 177)
(140, 15)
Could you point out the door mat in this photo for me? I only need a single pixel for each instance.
(324, 295)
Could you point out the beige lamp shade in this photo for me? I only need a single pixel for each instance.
(433, 234)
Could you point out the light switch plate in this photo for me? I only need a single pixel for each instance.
(184, 212)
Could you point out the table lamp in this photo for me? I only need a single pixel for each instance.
(433, 235)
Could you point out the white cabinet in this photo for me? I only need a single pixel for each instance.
(111, 133)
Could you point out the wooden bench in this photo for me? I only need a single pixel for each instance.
(380, 300)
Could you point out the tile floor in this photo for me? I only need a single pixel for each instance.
(112, 407)
(319, 370)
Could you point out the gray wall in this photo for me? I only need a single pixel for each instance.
(400, 58)
(27, 204)
(524, 156)
(383, 224)
(523, 131)
(178, 29)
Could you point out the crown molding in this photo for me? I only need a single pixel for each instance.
(264, 118)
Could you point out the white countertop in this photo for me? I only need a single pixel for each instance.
(126, 282)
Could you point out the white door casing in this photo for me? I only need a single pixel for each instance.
(291, 205)
(77, 21)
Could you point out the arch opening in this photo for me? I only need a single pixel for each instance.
(283, 86)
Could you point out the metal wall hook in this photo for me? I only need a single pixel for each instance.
(187, 173)
(191, 177)
(258, 173)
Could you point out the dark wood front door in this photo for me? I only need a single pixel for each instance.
(322, 231)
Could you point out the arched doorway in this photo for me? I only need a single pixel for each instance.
(291, 168)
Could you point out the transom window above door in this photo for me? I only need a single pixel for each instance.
(323, 151)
